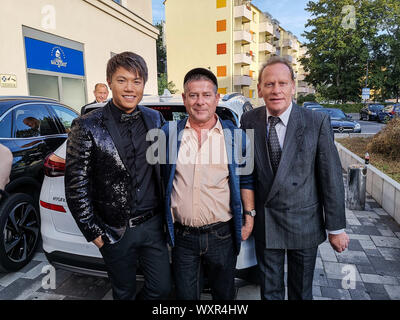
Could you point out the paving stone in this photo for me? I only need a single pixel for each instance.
(386, 232)
(349, 231)
(316, 291)
(367, 230)
(366, 269)
(321, 298)
(45, 296)
(353, 222)
(14, 290)
(359, 295)
(336, 294)
(36, 271)
(9, 278)
(377, 279)
(379, 296)
(251, 292)
(374, 205)
(354, 245)
(39, 256)
(385, 267)
(363, 237)
(397, 234)
(320, 278)
(380, 211)
(354, 257)
(392, 254)
(333, 270)
(393, 292)
(84, 287)
(373, 253)
(374, 288)
(366, 244)
(367, 222)
(391, 223)
(327, 252)
(32, 264)
(350, 214)
(390, 242)
(365, 214)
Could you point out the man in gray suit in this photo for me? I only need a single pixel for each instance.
(299, 185)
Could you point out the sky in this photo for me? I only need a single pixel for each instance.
(290, 13)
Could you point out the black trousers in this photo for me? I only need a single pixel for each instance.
(301, 264)
(146, 244)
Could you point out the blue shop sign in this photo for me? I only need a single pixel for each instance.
(51, 57)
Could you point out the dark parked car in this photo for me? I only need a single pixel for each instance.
(389, 112)
(370, 111)
(341, 122)
(312, 105)
(32, 128)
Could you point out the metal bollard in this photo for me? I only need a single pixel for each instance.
(356, 185)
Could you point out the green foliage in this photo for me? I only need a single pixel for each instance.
(337, 53)
(164, 84)
(309, 97)
(161, 51)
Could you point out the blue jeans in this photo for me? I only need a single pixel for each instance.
(212, 252)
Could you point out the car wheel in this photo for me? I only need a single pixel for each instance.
(386, 119)
(19, 230)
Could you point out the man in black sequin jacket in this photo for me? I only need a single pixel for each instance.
(113, 192)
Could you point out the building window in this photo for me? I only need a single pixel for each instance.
(221, 25)
(221, 48)
(221, 4)
(221, 71)
(222, 90)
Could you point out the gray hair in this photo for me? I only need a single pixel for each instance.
(275, 60)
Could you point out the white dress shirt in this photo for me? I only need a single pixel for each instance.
(280, 128)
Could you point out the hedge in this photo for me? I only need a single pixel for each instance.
(347, 107)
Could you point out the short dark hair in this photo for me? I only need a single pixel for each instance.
(129, 61)
(201, 74)
(275, 60)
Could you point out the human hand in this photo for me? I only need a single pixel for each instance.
(339, 242)
(98, 242)
(247, 228)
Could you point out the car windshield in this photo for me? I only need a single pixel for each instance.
(376, 107)
(334, 113)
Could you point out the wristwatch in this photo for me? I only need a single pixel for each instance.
(251, 213)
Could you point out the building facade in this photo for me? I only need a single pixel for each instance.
(232, 38)
(59, 49)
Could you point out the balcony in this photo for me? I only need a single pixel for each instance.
(243, 36)
(277, 34)
(242, 80)
(288, 58)
(267, 47)
(296, 46)
(287, 43)
(243, 12)
(242, 58)
(266, 27)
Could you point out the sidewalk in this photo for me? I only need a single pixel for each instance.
(374, 251)
(373, 255)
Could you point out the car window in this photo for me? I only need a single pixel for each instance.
(33, 120)
(65, 115)
(337, 114)
(5, 126)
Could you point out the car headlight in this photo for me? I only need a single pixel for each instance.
(357, 126)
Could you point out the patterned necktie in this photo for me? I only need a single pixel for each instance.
(126, 117)
(274, 148)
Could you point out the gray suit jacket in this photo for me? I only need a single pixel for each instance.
(307, 194)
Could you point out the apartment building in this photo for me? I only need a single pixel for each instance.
(232, 38)
(59, 49)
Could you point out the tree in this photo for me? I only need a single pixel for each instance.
(161, 52)
(164, 84)
(337, 52)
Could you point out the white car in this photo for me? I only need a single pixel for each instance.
(64, 244)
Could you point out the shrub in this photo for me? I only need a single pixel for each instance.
(387, 141)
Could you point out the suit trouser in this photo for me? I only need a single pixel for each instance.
(145, 243)
(301, 264)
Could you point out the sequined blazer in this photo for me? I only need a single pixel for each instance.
(97, 182)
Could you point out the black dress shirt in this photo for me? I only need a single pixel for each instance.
(144, 190)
